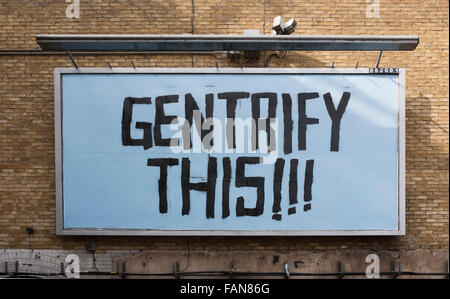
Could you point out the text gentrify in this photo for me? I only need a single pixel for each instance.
(261, 140)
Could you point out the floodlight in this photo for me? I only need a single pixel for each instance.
(278, 25)
(289, 26)
(281, 28)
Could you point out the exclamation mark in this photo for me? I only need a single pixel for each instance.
(293, 188)
(277, 180)
(307, 197)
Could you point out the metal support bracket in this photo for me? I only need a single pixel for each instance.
(341, 269)
(379, 58)
(72, 59)
(119, 271)
(176, 269)
(217, 62)
(396, 272)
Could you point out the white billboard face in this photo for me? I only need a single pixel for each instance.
(229, 152)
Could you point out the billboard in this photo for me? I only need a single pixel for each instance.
(229, 151)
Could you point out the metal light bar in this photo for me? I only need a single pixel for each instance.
(226, 43)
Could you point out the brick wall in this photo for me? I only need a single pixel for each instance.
(27, 185)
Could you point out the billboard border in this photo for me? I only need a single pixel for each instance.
(58, 117)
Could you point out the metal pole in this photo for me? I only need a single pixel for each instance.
(379, 58)
(71, 58)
